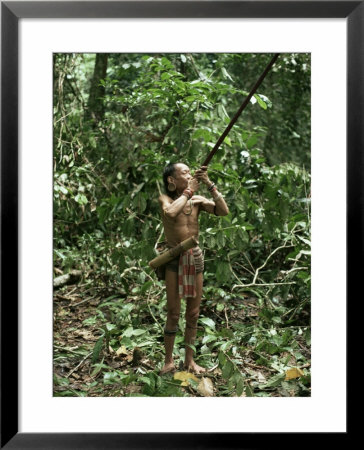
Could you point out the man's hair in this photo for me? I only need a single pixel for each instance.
(168, 171)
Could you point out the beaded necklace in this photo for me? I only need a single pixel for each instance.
(190, 211)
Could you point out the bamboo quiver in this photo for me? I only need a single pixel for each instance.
(172, 253)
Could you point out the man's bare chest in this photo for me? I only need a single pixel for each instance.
(188, 216)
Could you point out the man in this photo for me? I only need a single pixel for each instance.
(180, 210)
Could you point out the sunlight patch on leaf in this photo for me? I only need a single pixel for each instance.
(184, 377)
(295, 372)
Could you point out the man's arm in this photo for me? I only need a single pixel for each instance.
(218, 206)
(172, 208)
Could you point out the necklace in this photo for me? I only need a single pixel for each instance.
(190, 211)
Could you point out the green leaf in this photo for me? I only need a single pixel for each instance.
(209, 338)
(190, 98)
(249, 391)
(138, 332)
(63, 190)
(149, 386)
(220, 239)
(205, 350)
(128, 332)
(223, 271)
(59, 254)
(263, 101)
(202, 133)
(222, 112)
(58, 381)
(81, 199)
(307, 336)
(146, 380)
(97, 349)
(110, 326)
(98, 368)
(226, 74)
(111, 378)
(220, 307)
(225, 345)
(90, 320)
(303, 275)
(165, 76)
(227, 141)
(146, 286)
(227, 370)
(274, 381)
(240, 386)
(208, 322)
(221, 358)
(167, 63)
(251, 141)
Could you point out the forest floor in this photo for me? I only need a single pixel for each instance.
(128, 360)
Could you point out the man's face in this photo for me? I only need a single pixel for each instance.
(181, 176)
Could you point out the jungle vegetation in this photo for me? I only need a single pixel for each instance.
(118, 120)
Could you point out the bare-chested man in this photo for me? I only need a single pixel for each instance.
(180, 210)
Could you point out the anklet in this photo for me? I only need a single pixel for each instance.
(170, 333)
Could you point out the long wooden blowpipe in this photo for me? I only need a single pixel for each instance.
(241, 109)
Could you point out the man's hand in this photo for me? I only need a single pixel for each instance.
(201, 175)
(197, 199)
(193, 184)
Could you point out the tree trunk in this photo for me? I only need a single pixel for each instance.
(95, 108)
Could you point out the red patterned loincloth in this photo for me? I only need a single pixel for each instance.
(190, 263)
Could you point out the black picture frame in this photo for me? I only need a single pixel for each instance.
(11, 12)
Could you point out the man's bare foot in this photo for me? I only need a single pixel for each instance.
(168, 367)
(193, 367)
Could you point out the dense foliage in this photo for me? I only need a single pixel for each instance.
(118, 119)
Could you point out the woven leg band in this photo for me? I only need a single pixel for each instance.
(170, 333)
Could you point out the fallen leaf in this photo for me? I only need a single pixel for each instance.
(184, 377)
(121, 351)
(63, 312)
(85, 334)
(114, 364)
(295, 372)
(133, 389)
(261, 378)
(205, 387)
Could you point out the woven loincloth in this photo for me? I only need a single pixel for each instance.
(187, 265)
(198, 257)
(190, 263)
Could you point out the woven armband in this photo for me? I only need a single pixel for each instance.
(188, 193)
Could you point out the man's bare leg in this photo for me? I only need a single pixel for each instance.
(192, 313)
(173, 312)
